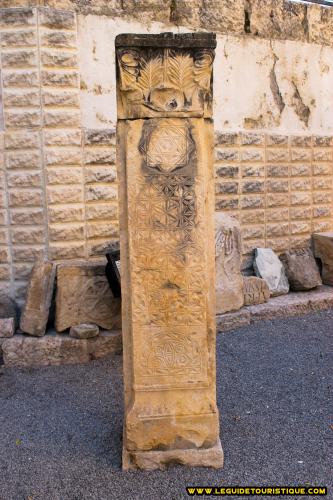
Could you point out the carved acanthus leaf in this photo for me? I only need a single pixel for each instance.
(180, 72)
(150, 76)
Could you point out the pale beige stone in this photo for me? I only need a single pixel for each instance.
(167, 265)
(323, 250)
(38, 300)
(256, 291)
(84, 296)
(228, 251)
(232, 320)
(55, 349)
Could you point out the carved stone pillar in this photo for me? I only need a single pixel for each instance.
(166, 182)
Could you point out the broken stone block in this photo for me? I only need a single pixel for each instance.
(84, 331)
(301, 269)
(38, 300)
(268, 266)
(323, 250)
(54, 349)
(7, 327)
(228, 252)
(8, 308)
(256, 290)
(84, 296)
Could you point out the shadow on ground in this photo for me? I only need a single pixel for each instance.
(61, 427)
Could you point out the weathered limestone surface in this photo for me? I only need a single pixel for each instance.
(323, 250)
(293, 304)
(268, 266)
(38, 301)
(301, 269)
(256, 291)
(230, 321)
(84, 296)
(54, 349)
(228, 254)
(167, 251)
(84, 331)
(7, 327)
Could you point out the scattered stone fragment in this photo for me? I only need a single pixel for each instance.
(84, 296)
(268, 266)
(7, 327)
(233, 320)
(84, 331)
(323, 250)
(8, 308)
(228, 252)
(301, 269)
(38, 300)
(256, 290)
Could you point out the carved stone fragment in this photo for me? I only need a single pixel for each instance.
(268, 266)
(323, 250)
(38, 300)
(167, 253)
(256, 291)
(301, 269)
(228, 253)
(84, 296)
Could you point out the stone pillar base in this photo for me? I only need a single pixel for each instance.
(152, 460)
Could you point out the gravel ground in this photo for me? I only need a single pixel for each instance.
(61, 427)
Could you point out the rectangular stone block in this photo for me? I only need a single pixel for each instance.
(22, 140)
(60, 78)
(24, 216)
(100, 174)
(227, 154)
(58, 39)
(102, 230)
(39, 295)
(57, 19)
(20, 78)
(63, 195)
(102, 211)
(99, 156)
(26, 38)
(25, 198)
(21, 98)
(61, 251)
(65, 214)
(277, 170)
(84, 296)
(59, 59)
(64, 175)
(24, 179)
(65, 137)
(227, 171)
(66, 232)
(61, 98)
(101, 193)
(18, 160)
(22, 119)
(27, 236)
(63, 156)
(12, 18)
(61, 119)
(100, 137)
(18, 59)
(225, 138)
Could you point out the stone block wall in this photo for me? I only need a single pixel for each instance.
(58, 182)
(58, 197)
(279, 187)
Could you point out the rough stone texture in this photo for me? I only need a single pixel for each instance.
(54, 349)
(152, 460)
(268, 266)
(301, 269)
(8, 308)
(38, 299)
(256, 290)
(84, 331)
(167, 252)
(293, 304)
(84, 296)
(323, 250)
(230, 321)
(228, 252)
(7, 327)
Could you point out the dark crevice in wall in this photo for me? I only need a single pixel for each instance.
(247, 16)
(305, 23)
(277, 96)
(173, 17)
(301, 109)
